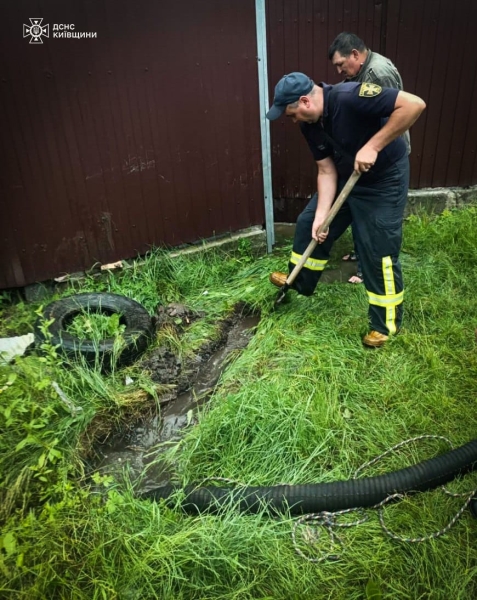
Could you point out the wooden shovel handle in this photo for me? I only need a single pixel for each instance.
(338, 203)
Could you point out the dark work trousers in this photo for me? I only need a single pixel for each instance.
(376, 212)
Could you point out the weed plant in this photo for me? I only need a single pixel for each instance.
(304, 403)
(17, 317)
(96, 326)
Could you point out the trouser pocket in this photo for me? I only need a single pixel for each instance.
(388, 237)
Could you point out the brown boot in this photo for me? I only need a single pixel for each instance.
(278, 279)
(374, 339)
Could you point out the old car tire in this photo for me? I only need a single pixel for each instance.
(134, 316)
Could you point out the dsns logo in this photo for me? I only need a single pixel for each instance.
(36, 30)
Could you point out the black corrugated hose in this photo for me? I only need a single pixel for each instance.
(317, 497)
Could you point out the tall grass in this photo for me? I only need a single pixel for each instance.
(305, 402)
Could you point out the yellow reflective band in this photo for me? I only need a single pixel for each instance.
(388, 301)
(388, 276)
(391, 319)
(314, 264)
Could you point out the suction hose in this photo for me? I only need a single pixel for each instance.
(317, 497)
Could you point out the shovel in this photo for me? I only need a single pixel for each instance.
(349, 185)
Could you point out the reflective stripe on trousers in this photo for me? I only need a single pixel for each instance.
(376, 212)
(311, 263)
(389, 301)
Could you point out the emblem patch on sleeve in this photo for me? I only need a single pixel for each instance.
(368, 90)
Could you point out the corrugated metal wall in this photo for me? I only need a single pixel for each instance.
(147, 135)
(299, 35)
(431, 42)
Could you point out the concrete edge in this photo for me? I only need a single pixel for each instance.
(436, 200)
(257, 237)
(428, 200)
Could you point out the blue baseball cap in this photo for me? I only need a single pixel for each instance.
(287, 91)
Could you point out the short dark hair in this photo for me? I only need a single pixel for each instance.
(345, 43)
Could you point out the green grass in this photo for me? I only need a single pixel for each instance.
(17, 317)
(96, 326)
(305, 402)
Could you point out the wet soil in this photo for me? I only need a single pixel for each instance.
(192, 383)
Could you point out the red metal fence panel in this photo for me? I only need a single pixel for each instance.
(430, 41)
(299, 35)
(147, 134)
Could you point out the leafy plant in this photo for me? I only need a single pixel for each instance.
(96, 326)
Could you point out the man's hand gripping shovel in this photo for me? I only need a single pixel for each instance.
(312, 245)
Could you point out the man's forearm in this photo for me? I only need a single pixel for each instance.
(327, 186)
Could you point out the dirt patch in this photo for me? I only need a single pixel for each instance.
(140, 446)
(167, 368)
(175, 314)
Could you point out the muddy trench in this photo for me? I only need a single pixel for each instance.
(139, 448)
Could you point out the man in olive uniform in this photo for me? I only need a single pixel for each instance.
(352, 59)
(349, 54)
(353, 126)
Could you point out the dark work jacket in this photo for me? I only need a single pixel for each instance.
(351, 119)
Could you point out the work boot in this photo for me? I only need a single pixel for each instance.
(374, 339)
(278, 279)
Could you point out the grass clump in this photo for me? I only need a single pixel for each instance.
(304, 403)
(16, 316)
(96, 326)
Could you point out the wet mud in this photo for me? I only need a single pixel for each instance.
(192, 383)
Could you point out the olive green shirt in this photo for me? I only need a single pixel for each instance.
(380, 70)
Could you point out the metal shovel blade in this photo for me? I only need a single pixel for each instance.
(281, 294)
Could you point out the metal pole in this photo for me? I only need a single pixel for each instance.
(260, 14)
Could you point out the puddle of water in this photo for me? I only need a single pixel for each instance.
(137, 449)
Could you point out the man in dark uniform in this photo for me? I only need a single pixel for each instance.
(354, 126)
(356, 62)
